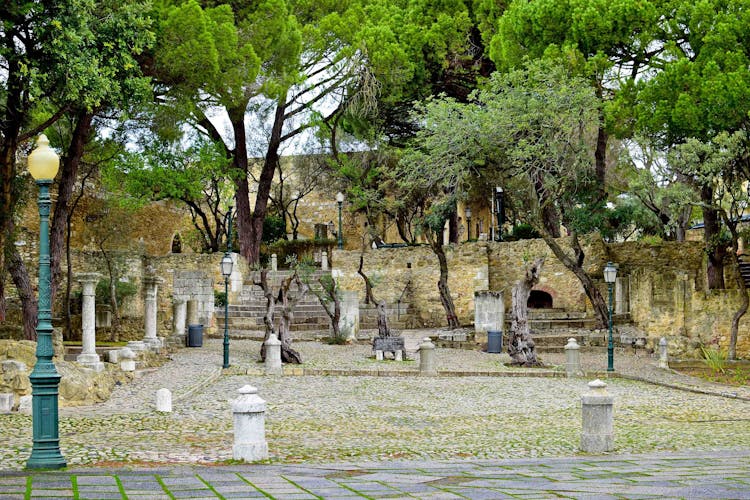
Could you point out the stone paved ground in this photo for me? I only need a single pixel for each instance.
(317, 419)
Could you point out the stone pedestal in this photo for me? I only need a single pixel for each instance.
(573, 359)
(273, 356)
(164, 400)
(597, 435)
(663, 354)
(249, 426)
(427, 358)
(88, 357)
(349, 320)
(151, 285)
(489, 314)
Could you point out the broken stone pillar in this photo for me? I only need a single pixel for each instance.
(349, 320)
(152, 287)
(427, 358)
(6, 402)
(164, 400)
(192, 312)
(274, 262)
(88, 357)
(249, 426)
(179, 320)
(489, 314)
(127, 359)
(663, 354)
(324, 261)
(572, 358)
(597, 435)
(273, 356)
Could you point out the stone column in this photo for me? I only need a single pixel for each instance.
(663, 354)
(179, 318)
(489, 314)
(273, 356)
(349, 320)
(274, 262)
(597, 435)
(249, 426)
(572, 358)
(152, 287)
(88, 356)
(324, 261)
(427, 358)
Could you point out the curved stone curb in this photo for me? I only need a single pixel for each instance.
(696, 390)
(201, 384)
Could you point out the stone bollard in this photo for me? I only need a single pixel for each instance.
(663, 355)
(25, 405)
(572, 358)
(249, 426)
(164, 400)
(324, 261)
(273, 356)
(127, 359)
(597, 435)
(427, 358)
(274, 262)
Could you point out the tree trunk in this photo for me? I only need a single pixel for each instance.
(288, 354)
(384, 330)
(330, 301)
(20, 277)
(521, 346)
(575, 265)
(69, 172)
(445, 293)
(732, 351)
(715, 250)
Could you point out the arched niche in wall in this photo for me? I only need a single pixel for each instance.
(176, 243)
(539, 299)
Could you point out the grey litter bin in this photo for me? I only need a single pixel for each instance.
(494, 341)
(195, 336)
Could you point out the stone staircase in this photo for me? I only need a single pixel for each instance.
(744, 264)
(310, 320)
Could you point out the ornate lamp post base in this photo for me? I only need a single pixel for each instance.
(45, 453)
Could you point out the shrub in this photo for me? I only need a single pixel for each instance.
(714, 359)
(220, 299)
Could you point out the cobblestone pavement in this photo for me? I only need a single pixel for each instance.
(692, 476)
(377, 426)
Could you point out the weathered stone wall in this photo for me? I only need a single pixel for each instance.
(410, 275)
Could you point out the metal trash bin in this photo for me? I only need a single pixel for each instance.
(195, 336)
(494, 341)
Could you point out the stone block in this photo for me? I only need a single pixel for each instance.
(6, 402)
(164, 400)
(24, 405)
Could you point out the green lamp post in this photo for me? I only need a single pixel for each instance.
(340, 201)
(610, 275)
(226, 271)
(45, 381)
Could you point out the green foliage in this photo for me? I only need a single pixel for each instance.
(123, 290)
(298, 249)
(714, 359)
(522, 232)
(651, 239)
(220, 298)
(274, 228)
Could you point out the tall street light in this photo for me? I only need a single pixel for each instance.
(45, 381)
(467, 213)
(610, 275)
(340, 201)
(226, 271)
(500, 211)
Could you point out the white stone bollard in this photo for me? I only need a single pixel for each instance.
(663, 354)
(572, 358)
(6, 402)
(597, 435)
(427, 358)
(88, 357)
(274, 262)
(113, 356)
(249, 426)
(273, 356)
(127, 360)
(164, 400)
(324, 261)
